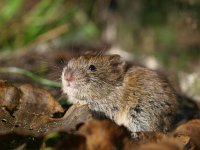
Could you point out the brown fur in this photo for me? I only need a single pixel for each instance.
(136, 97)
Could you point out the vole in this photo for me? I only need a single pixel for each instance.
(136, 97)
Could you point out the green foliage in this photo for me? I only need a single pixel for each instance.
(9, 10)
(23, 24)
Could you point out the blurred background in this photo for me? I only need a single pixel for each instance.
(161, 34)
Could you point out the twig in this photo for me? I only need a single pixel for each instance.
(30, 75)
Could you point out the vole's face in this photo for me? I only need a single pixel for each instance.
(92, 74)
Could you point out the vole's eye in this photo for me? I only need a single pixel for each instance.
(92, 68)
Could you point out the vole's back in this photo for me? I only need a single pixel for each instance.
(148, 100)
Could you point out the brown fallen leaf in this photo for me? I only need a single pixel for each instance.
(103, 135)
(185, 141)
(34, 102)
(38, 101)
(76, 114)
(189, 132)
(9, 95)
(29, 111)
(71, 142)
(6, 121)
(143, 138)
(164, 144)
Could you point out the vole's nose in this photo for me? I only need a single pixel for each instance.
(68, 76)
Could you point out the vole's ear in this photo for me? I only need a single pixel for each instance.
(117, 61)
